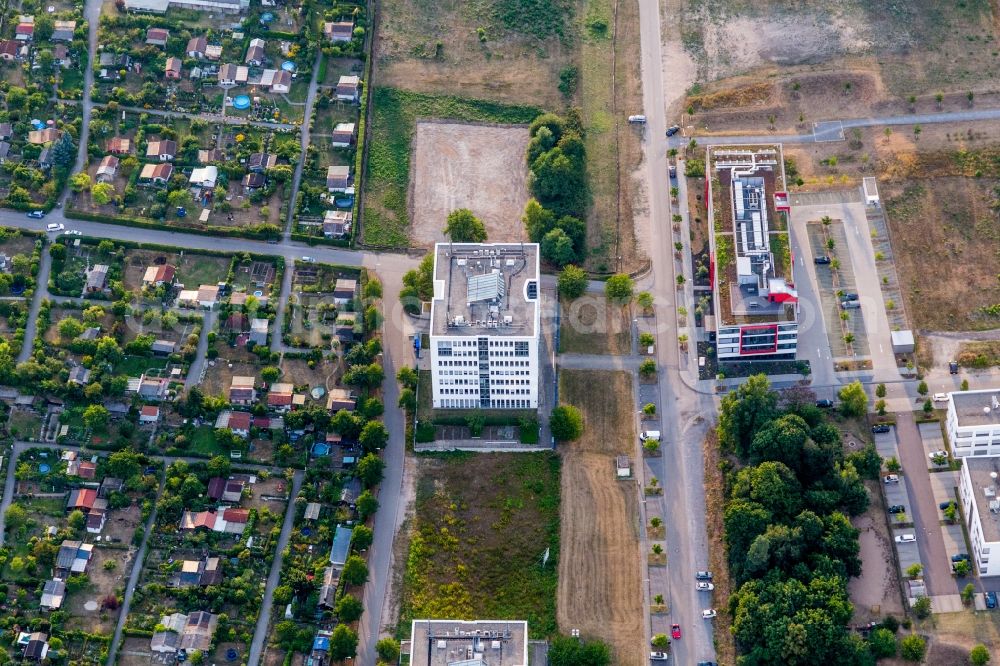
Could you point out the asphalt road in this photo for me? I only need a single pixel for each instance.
(681, 468)
(304, 134)
(273, 578)
(41, 291)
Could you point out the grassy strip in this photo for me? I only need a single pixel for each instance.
(387, 177)
(247, 232)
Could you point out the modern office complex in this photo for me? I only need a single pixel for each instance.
(485, 326)
(755, 302)
(468, 643)
(978, 492)
(974, 423)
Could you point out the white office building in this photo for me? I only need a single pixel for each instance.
(974, 423)
(978, 492)
(485, 326)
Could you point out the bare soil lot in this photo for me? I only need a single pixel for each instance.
(875, 593)
(906, 47)
(590, 325)
(599, 572)
(478, 167)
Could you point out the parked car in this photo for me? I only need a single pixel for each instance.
(703, 575)
(991, 599)
(822, 259)
(672, 171)
(657, 656)
(906, 538)
(704, 587)
(707, 663)
(891, 478)
(953, 368)
(36, 214)
(708, 613)
(960, 557)
(897, 508)
(639, 119)
(850, 305)
(649, 436)
(308, 259)
(944, 505)
(940, 397)
(73, 232)
(675, 631)
(55, 227)
(881, 428)
(850, 297)
(824, 403)
(673, 129)
(940, 453)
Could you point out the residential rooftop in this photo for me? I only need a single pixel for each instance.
(752, 247)
(986, 490)
(485, 289)
(977, 408)
(451, 642)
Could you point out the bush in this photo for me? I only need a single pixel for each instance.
(913, 647)
(566, 423)
(922, 608)
(882, 643)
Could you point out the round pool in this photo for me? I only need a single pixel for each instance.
(44, 468)
(344, 202)
(258, 294)
(37, 124)
(288, 66)
(266, 17)
(241, 101)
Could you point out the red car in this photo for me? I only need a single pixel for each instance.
(675, 632)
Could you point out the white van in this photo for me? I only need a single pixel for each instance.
(637, 119)
(649, 435)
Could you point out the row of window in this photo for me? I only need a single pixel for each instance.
(475, 391)
(505, 403)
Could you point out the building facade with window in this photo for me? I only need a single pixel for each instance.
(977, 491)
(973, 423)
(485, 324)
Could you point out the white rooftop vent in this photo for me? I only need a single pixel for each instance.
(993, 475)
(495, 645)
(509, 262)
(989, 492)
(508, 319)
(995, 506)
(459, 319)
(442, 644)
(463, 262)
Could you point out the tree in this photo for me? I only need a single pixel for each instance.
(374, 436)
(745, 411)
(922, 388)
(979, 655)
(76, 519)
(96, 417)
(853, 399)
(962, 568)
(928, 406)
(63, 151)
(355, 571)
(572, 282)
(647, 368)
(464, 227)
(882, 643)
(660, 642)
(370, 469)
(79, 182)
(880, 391)
(70, 328)
(101, 193)
(270, 374)
(967, 593)
(219, 466)
(343, 643)
(644, 300)
(361, 537)
(566, 423)
(349, 609)
(922, 608)
(365, 376)
(913, 647)
(965, 385)
(537, 220)
(557, 248)
(407, 377)
(914, 570)
(407, 400)
(618, 288)
(367, 504)
(566, 651)
(16, 517)
(388, 650)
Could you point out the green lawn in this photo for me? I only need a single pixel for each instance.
(203, 442)
(133, 366)
(393, 122)
(23, 424)
(197, 269)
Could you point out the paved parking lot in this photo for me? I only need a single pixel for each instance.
(944, 484)
(895, 493)
(885, 444)
(930, 434)
(909, 554)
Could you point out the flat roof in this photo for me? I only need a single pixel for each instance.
(485, 289)
(752, 245)
(980, 468)
(977, 408)
(448, 642)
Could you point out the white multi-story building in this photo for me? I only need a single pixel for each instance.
(974, 423)
(485, 323)
(755, 301)
(978, 491)
(468, 643)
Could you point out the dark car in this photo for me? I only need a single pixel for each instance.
(991, 599)
(960, 557)
(703, 575)
(953, 368)
(673, 172)
(850, 297)
(821, 260)
(880, 428)
(897, 508)
(824, 403)
(944, 505)
(673, 129)
(707, 663)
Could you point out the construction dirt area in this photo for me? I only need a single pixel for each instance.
(600, 589)
(457, 165)
(876, 592)
(773, 63)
